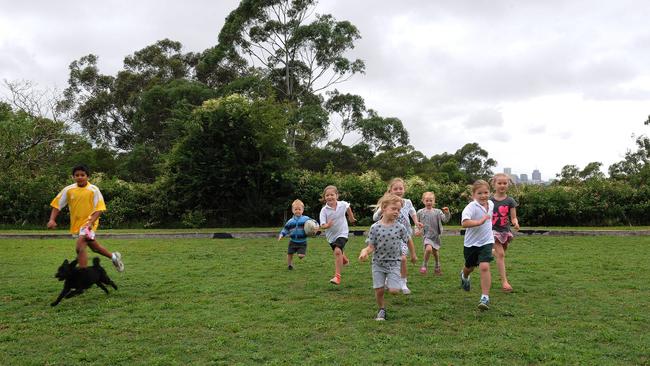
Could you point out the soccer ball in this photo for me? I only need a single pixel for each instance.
(311, 227)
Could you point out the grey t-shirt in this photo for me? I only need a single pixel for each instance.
(501, 214)
(387, 240)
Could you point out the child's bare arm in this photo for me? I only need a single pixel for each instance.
(414, 257)
(366, 251)
(351, 215)
(53, 215)
(93, 218)
(467, 223)
(513, 218)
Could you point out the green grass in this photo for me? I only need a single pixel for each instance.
(577, 300)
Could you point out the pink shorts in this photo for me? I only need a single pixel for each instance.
(503, 238)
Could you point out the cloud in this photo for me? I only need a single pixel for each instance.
(484, 118)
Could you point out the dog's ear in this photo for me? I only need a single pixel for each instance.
(65, 261)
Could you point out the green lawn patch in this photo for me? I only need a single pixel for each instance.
(577, 300)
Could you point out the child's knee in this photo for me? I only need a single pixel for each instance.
(428, 249)
(484, 266)
(394, 290)
(338, 252)
(301, 256)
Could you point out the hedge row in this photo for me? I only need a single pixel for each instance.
(596, 203)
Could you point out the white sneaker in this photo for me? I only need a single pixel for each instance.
(117, 261)
(405, 289)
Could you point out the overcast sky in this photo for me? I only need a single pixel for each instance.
(538, 84)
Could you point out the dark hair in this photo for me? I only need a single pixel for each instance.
(82, 168)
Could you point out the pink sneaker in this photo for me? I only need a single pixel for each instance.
(423, 270)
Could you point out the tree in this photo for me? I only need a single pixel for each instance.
(474, 161)
(28, 144)
(592, 171)
(634, 163)
(350, 109)
(232, 156)
(106, 107)
(300, 53)
(402, 161)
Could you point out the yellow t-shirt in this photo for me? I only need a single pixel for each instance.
(83, 202)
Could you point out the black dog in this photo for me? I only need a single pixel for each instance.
(77, 279)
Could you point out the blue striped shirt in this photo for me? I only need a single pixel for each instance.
(295, 228)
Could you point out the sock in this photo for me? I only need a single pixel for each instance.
(437, 263)
(486, 297)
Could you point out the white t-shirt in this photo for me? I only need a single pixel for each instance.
(478, 236)
(339, 226)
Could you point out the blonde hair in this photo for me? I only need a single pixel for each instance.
(425, 194)
(297, 203)
(327, 189)
(493, 181)
(395, 181)
(387, 199)
(478, 184)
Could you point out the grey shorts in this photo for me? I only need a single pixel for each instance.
(386, 273)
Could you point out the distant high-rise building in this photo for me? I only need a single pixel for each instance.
(524, 178)
(507, 171)
(537, 176)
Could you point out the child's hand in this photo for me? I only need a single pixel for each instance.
(515, 224)
(483, 219)
(417, 231)
(353, 220)
(51, 224)
(414, 258)
(279, 237)
(445, 210)
(363, 255)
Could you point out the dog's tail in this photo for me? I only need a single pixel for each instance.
(95, 262)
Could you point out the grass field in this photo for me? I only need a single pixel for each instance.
(577, 300)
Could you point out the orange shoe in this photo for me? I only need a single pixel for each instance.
(336, 280)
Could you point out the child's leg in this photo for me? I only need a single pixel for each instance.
(427, 254)
(486, 278)
(98, 248)
(289, 259)
(467, 271)
(338, 261)
(403, 267)
(500, 254)
(379, 296)
(436, 256)
(82, 256)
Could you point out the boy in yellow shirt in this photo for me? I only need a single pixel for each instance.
(86, 205)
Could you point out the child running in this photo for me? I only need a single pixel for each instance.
(505, 214)
(476, 218)
(385, 239)
(332, 220)
(295, 228)
(432, 219)
(86, 205)
(398, 188)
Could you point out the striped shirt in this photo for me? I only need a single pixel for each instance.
(295, 228)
